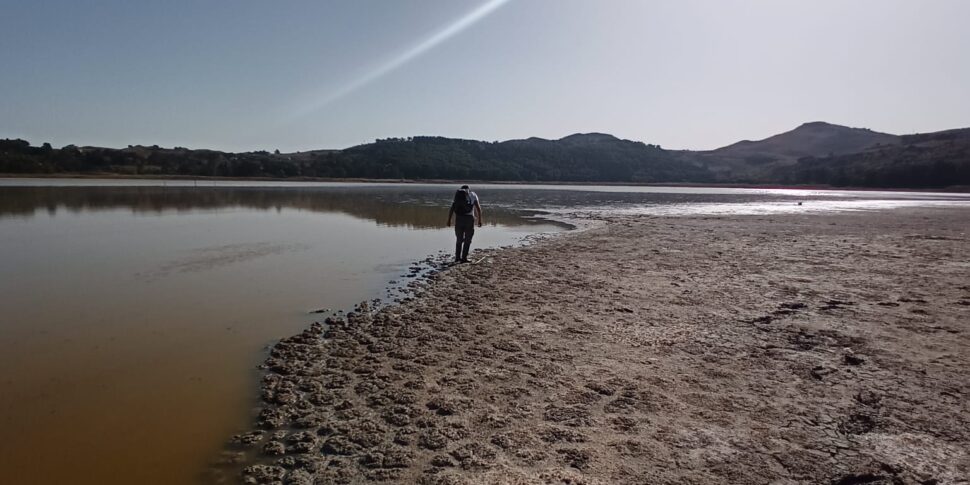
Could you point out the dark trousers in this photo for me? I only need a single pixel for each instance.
(464, 230)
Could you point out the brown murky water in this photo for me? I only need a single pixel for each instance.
(133, 317)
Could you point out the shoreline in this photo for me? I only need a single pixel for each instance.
(114, 176)
(801, 348)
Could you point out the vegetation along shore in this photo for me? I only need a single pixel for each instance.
(814, 153)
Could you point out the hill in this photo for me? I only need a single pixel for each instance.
(813, 153)
(928, 160)
(756, 160)
(577, 158)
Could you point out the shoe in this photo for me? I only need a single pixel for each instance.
(464, 260)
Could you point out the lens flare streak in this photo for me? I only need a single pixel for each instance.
(424, 46)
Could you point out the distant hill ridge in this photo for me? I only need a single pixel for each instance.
(812, 153)
(813, 139)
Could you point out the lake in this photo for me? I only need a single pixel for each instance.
(135, 313)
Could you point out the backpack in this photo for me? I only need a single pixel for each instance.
(463, 202)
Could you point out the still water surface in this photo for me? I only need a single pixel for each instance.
(133, 313)
(133, 317)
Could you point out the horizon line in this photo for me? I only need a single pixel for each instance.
(282, 152)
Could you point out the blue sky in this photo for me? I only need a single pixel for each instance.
(298, 75)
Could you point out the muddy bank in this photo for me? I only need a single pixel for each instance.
(783, 349)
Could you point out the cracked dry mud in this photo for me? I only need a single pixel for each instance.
(783, 349)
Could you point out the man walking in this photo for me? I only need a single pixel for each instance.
(467, 210)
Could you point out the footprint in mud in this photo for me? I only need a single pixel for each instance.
(432, 439)
(860, 478)
(573, 416)
(507, 345)
(880, 473)
(630, 448)
(514, 440)
(601, 388)
(907, 299)
(580, 397)
(868, 398)
(819, 372)
(624, 424)
(246, 440)
(857, 424)
(621, 405)
(561, 435)
(805, 341)
(577, 458)
(447, 406)
(472, 456)
(400, 415)
(763, 320)
(836, 304)
(788, 308)
(853, 359)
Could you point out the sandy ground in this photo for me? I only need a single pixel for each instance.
(745, 349)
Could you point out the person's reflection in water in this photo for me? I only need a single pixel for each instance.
(467, 209)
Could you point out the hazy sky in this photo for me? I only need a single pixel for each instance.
(296, 75)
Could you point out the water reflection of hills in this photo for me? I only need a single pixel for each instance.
(421, 210)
